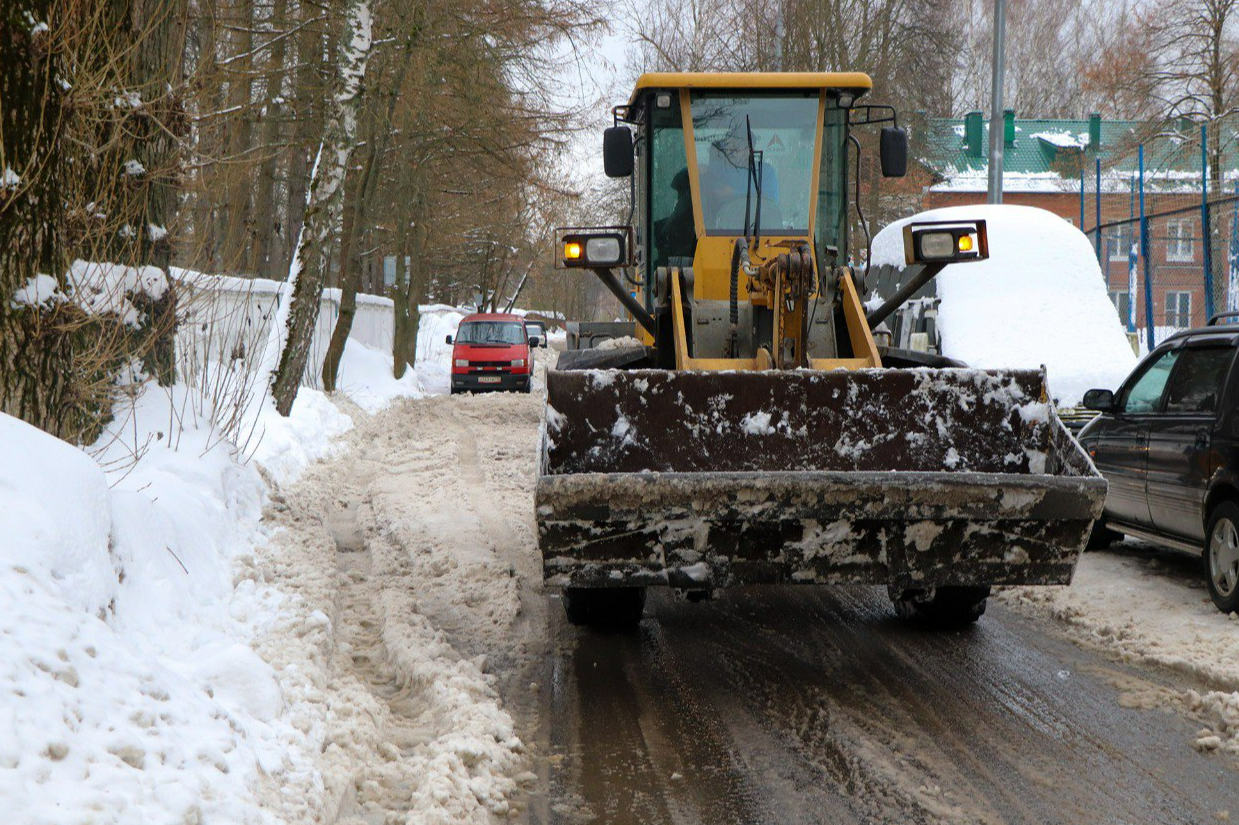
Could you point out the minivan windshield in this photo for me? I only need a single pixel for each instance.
(494, 333)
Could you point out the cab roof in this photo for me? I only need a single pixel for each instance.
(754, 81)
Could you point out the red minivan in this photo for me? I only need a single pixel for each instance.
(491, 352)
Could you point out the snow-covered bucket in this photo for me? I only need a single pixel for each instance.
(912, 478)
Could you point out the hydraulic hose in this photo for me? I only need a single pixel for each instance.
(734, 305)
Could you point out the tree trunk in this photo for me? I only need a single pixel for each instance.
(322, 217)
(237, 218)
(306, 120)
(350, 270)
(350, 260)
(33, 368)
(266, 227)
(402, 320)
(159, 28)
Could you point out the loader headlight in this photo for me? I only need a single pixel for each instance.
(605, 246)
(945, 242)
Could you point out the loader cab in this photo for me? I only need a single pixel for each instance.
(705, 145)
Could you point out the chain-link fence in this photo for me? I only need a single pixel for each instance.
(1163, 217)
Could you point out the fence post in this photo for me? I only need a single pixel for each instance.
(1097, 225)
(1132, 257)
(1206, 234)
(1082, 200)
(1232, 281)
(1150, 335)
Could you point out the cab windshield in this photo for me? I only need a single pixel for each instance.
(784, 133)
(495, 333)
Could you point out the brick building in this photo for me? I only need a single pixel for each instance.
(1042, 164)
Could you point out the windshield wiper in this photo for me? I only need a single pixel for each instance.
(753, 183)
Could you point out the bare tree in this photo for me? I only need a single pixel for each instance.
(310, 265)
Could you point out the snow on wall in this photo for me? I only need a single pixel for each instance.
(230, 317)
(1039, 299)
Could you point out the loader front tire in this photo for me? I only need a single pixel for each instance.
(604, 608)
(941, 607)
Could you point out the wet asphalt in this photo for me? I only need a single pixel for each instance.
(816, 705)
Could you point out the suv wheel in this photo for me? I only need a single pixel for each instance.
(1221, 556)
(941, 607)
(609, 608)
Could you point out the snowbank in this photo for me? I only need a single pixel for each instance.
(1039, 299)
(118, 625)
(434, 354)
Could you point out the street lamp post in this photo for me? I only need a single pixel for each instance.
(996, 137)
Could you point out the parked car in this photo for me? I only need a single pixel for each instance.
(537, 333)
(1168, 443)
(490, 352)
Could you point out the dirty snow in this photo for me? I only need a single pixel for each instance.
(1039, 299)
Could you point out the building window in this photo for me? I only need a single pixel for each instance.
(1179, 309)
(1118, 241)
(1122, 303)
(1179, 246)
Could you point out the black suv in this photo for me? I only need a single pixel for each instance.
(1168, 443)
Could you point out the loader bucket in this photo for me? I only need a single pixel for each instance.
(913, 478)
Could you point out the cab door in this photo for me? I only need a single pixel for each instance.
(1121, 451)
(1180, 456)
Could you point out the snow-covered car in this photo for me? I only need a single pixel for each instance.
(1167, 442)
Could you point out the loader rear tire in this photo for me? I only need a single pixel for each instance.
(605, 608)
(941, 607)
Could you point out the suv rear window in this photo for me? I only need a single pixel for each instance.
(1197, 379)
(491, 332)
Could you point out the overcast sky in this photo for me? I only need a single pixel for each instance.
(595, 78)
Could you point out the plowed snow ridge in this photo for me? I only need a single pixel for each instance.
(407, 552)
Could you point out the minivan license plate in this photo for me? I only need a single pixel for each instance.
(488, 379)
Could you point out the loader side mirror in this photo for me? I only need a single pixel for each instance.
(893, 150)
(1099, 400)
(617, 152)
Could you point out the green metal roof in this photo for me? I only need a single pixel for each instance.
(1048, 154)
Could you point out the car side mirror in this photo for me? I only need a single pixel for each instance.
(893, 150)
(617, 152)
(449, 339)
(1099, 400)
(535, 341)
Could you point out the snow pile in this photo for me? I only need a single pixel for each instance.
(284, 447)
(434, 354)
(366, 377)
(116, 630)
(1039, 299)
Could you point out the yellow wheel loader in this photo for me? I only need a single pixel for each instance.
(756, 434)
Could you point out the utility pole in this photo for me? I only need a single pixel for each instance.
(996, 137)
